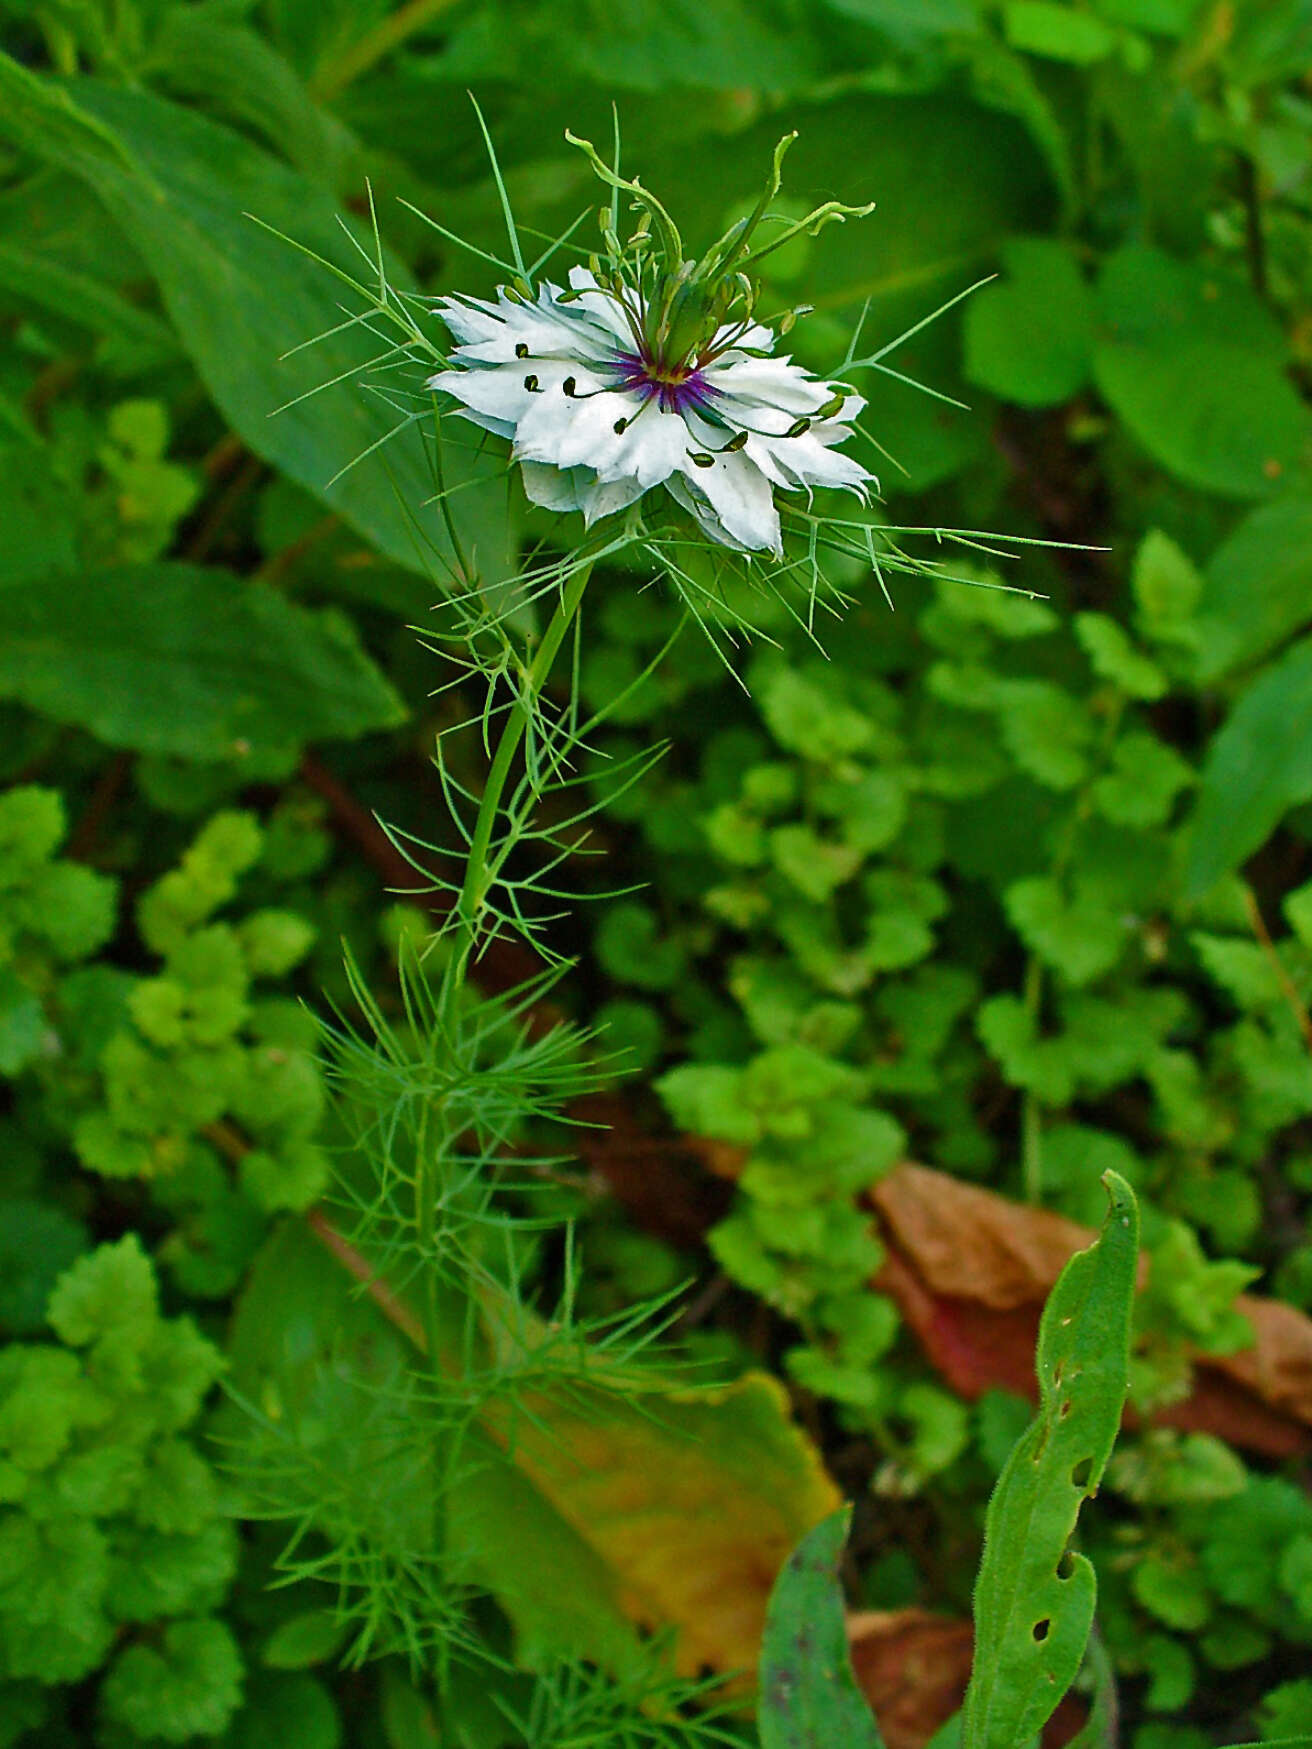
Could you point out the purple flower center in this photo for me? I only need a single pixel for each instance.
(677, 390)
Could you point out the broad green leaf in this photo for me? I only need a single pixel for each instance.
(182, 188)
(35, 515)
(1029, 338)
(171, 658)
(807, 1695)
(1257, 588)
(129, 339)
(1195, 366)
(239, 75)
(1059, 33)
(1034, 1597)
(1159, 17)
(910, 18)
(1259, 765)
(648, 45)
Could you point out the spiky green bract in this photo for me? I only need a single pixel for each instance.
(686, 303)
(1035, 1596)
(366, 1446)
(808, 1696)
(575, 1707)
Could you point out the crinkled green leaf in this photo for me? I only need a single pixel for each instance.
(1167, 589)
(1145, 778)
(1080, 936)
(1046, 731)
(1115, 658)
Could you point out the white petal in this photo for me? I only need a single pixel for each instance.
(490, 333)
(501, 391)
(605, 497)
(753, 339)
(568, 489)
(701, 513)
(771, 382)
(648, 450)
(577, 430)
(741, 497)
(809, 460)
(553, 488)
(470, 319)
(655, 445)
(600, 306)
(496, 393)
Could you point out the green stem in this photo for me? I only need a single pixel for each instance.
(1031, 1111)
(388, 34)
(478, 876)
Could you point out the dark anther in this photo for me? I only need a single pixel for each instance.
(531, 384)
(798, 427)
(832, 407)
(735, 443)
(702, 461)
(569, 385)
(620, 427)
(521, 351)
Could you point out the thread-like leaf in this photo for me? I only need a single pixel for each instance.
(1034, 1598)
(808, 1696)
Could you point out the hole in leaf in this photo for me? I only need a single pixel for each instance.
(1081, 1473)
(1040, 1629)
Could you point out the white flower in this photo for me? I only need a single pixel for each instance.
(603, 403)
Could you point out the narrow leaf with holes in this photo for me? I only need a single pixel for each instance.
(1034, 1598)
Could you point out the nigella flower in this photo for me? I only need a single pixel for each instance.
(652, 371)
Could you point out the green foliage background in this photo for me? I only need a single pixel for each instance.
(1023, 887)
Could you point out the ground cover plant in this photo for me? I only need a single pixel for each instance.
(541, 1060)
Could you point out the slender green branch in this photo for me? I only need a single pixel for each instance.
(389, 33)
(478, 877)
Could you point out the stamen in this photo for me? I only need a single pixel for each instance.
(531, 384)
(735, 443)
(702, 461)
(798, 428)
(620, 427)
(569, 385)
(833, 406)
(521, 350)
